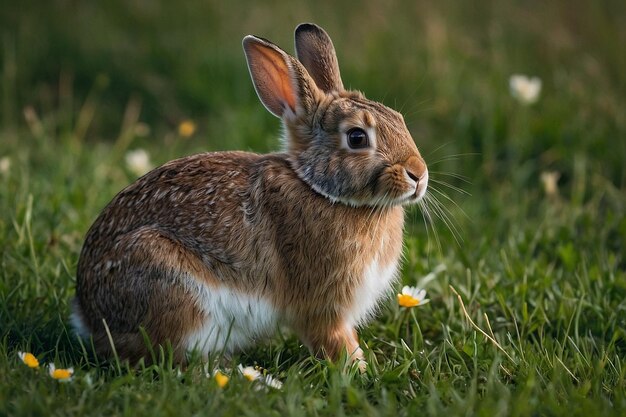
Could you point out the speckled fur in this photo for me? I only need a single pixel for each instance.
(305, 231)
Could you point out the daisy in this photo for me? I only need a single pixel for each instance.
(272, 382)
(5, 165)
(412, 296)
(254, 374)
(29, 359)
(550, 182)
(249, 372)
(138, 161)
(61, 375)
(525, 89)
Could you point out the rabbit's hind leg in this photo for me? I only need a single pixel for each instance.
(144, 288)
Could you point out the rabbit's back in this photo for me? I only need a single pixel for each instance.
(159, 251)
(188, 197)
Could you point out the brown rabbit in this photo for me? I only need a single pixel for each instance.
(214, 251)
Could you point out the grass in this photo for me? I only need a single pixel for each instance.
(527, 314)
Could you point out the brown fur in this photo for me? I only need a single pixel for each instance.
(272, 226)
(316, 52)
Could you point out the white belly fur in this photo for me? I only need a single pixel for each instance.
(377, 280)
(233, 320)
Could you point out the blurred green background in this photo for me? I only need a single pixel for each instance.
(445, 64)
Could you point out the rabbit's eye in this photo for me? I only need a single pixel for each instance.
(357, 138)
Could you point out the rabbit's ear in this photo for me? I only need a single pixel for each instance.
(315, 50)
(281, 82)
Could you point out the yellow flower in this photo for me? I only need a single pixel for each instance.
(186, 128)
(221, 379)
(29, 359)
(411, 297)
(61, 375)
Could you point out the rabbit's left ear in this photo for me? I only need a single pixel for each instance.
(281, 82)
(315, 50)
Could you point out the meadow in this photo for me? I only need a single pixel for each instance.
(523, 256)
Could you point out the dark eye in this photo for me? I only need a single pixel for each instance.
(357, 138)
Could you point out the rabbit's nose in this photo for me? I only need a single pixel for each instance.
(415, 168)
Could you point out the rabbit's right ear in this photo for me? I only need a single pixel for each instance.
(315, 50)
(281, 82)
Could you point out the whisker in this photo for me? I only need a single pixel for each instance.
(369, 216)
(429, 223)
(420, 204)
(440, 210)
(445, 222)
(434, 229)
(452, 187)
(452, 158)
(447, 197)
(375, 209)
(437, 149)
(451, 174)
(409, 114)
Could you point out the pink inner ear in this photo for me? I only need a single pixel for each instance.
(276, 76)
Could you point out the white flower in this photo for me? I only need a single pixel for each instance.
(249, 372)
(525, 89)
(253, 374)
(272, 382)
(550, 180)
(138, 161)
(5, 165)
(412, 296)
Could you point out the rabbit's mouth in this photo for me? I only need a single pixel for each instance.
(418, 189)
(422, 185)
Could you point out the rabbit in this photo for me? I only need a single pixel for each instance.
(213, 252)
